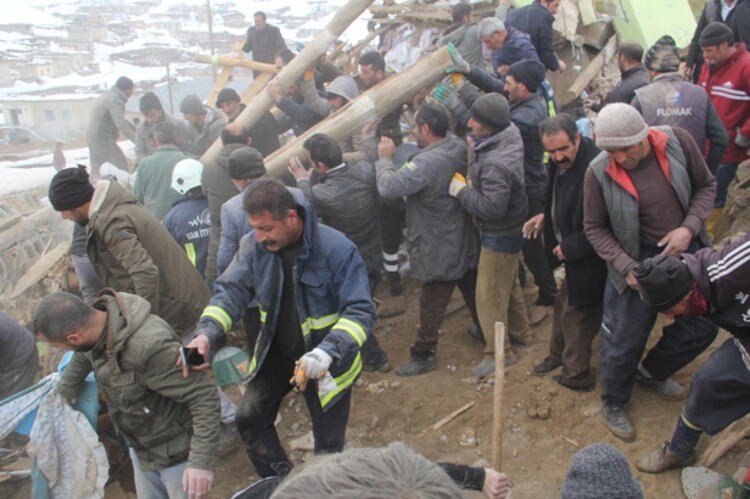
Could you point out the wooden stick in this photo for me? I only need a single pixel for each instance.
(497, 406)
(292, 71)
(450, 417)
(237, 62)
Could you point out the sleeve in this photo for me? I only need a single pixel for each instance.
(123, 244)
(141, 147)
(694, 52)
(702, 180)
(596, 227)
(392, 183)
(365, 148)
(491, 202)
(546, 52)
(248, 46)
(234, 289)
(198, 393)
(466, 477)
(485, 81)
(312, 99)
(279, 42)
(356, 309)
(576, 246)
(727, 270)
(717, 136)
(298, 113)
(117, 111)
(322, 198)
(170, 224)
(73, 376)
(229, 241)
(140, 196)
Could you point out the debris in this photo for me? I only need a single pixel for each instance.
(544, 411)
(305, 443)
(697, 481)
(468, 439)
(391, 306)
(592, 410)
(450, 417)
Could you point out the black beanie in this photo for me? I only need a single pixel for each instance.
(246, 162)
(530, 73)
(716, 33)
(226, 95)
(492, 111)
(70, 188)
(663, 281)
(150, 101)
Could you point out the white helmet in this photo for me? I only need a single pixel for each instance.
(186, 175)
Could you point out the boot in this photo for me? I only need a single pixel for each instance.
(668, 389)
(545, 366)
(662, 459)
(420, 362)
(393, 279)
(617, 421)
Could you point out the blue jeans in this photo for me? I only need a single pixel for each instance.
(724, 174)
(165, 483)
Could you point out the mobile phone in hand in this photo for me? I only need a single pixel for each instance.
(191, 357)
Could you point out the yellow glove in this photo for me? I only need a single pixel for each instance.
(458, 183)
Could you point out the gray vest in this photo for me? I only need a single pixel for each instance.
(672, 101)
(622, 207)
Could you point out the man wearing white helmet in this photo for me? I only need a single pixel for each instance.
(189, 221)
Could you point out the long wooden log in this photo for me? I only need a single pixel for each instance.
(497, 401)
(292, 71)
(223, 60)
(256, 86)
(375, 103)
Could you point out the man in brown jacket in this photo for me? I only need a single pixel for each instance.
(129, 248)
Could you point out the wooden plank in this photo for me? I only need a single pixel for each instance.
(445, 420)
(41, 267)
(237, 62)
(220, 83)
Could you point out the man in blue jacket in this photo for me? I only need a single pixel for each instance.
(316, 312)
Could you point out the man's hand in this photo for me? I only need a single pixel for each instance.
(459, 63)
(448, 98)
(197, 483)
(562, 65)
(558, 252)
(496, 485)
(386, 148)
(297, 169)
(315, 363)
(631, 280)
(201, 343)
(676, 242)
(533, 226)
(275, 90)
(458, 183)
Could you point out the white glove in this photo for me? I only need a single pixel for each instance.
(458, 183)
(315, 363)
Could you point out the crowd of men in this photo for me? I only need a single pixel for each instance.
(492, 185)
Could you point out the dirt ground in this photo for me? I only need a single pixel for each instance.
(536, 452)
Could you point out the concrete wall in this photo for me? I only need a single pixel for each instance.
(54, 119)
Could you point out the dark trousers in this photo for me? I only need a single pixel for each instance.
(108, 152)
(251, 325)
(535, 257)
(626, 326)
(573, 330)
(720, 393)
(260, 405)
(432, 304)
(392, 218)
(371, 351)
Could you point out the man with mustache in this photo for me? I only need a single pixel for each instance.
(578, 304)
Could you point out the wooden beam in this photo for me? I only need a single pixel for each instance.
(593, 69)
(221, 81)
(223, 60)
(373, 104)
(294, 70)
(255, 87)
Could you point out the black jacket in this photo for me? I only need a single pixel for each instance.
(264, 44)
(526, 114)
(738, 19)
(630, 81)
(536, 21)
(585, 272)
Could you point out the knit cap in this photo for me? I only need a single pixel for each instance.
(716, 33)
(492, 111)
(226, 95)
(663, 281)
(70, 188)
(618, 126)
(530, 73)
(150, 101)
(598, 471)
(192, 105)
(246, 162)
(663, 56)
(344, 86)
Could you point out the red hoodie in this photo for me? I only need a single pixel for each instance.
(728, 86)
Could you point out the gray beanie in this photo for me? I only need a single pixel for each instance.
(618, 126)
(492, 111)
(192, 105)
(599, 471)
(246, 162)
(344, 86)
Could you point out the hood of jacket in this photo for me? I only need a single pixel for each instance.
(133, 309)
(108, 194)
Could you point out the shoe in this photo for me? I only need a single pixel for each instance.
(547, 365)
(618, 422)
(583, 388)
(662, 459)
(378, 365)
(485, 368)
(668, 389)
(474, 331)
(417, 365)
(536, 316)
(393, 279)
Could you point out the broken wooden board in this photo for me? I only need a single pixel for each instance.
(237, 62)
(41, 267)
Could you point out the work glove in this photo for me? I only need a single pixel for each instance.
(449, 98)
(459, 63)
(741, 140)
(315, 363)
(458, 183)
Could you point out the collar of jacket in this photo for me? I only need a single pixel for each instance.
(670, 76)
(491, 141)
(741, 50)
(334, 171)
(658, 141)
(634, 69)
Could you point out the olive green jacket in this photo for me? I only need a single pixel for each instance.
(165, 418)
(131, 251)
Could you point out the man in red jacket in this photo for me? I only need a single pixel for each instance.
(726, 78)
